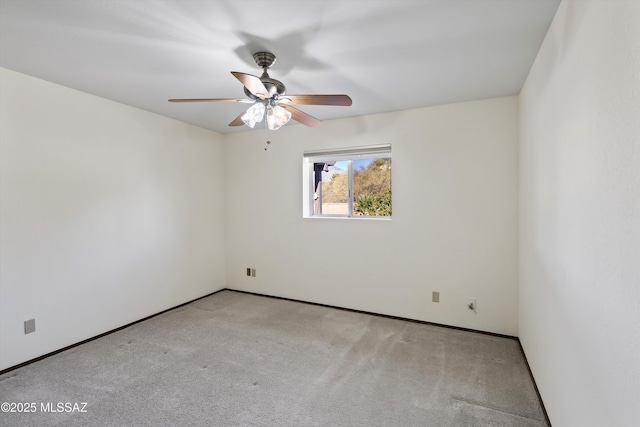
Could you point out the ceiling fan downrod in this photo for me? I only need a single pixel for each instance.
(275, 87)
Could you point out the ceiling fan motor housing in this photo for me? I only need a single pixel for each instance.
(275, 87)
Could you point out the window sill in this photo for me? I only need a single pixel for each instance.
(356, 218)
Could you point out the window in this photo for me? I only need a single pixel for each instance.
(351, 182)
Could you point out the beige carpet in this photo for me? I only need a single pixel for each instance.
(235, 359)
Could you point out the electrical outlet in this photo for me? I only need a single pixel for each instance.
(248, 272)
(435, 296)
(472, 304)
(253, 272)
(29, 326)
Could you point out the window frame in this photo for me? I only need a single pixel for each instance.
(349, 154)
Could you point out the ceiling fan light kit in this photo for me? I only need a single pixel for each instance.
(270, 102)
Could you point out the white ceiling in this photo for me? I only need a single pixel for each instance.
(387, 55)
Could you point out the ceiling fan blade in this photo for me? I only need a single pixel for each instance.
(238, 120)
(302, 117)
(210, 100)
(343, 100)
(252, 83)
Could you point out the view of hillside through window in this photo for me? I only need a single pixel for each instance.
(371, 188)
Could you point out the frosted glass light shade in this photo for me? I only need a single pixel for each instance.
(253, 115)
(277, 116)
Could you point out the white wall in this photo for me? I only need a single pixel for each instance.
(580, 215)
(454, 226)
(108, 214)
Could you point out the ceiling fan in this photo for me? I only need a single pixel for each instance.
(270, 101)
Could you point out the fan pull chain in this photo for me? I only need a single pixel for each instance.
(266, 132)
